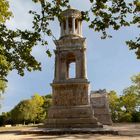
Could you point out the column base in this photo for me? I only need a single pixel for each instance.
(71, 117)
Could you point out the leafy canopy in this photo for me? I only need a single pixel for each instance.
(16, 46)
(29, 110)
(5, 13)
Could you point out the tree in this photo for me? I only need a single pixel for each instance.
(37, 103)
(114, 105)
(2, 86)
(5, 118)
(130, 99)
(5, 13)
(16, 46)
(21, 112)
(47, 103)
(105, 14)
(136, 80)
(124, 108)
(29, 110)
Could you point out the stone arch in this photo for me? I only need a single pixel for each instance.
(71, 62)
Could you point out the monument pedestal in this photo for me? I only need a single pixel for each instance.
(71, 117)
(70, 107)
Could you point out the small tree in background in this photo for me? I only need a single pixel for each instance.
(47, 103)
(33, 110)
(114, 104)
(22, 112)
(126, 108)
(38, 113)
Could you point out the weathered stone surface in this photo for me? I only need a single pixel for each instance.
(99, 103)
(71, 107)
(83, 111)
(70, 94)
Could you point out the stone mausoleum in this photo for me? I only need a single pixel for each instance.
(100, 106)
(71, 107)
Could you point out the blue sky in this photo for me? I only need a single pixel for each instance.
(110, 64)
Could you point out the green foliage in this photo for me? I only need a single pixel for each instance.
(16, 46)
(33, 110)
(136, 116)
(105, 14)
(5, 14)
(114, 105)
(136, 80)
(47, 103)
(21, 113)
(125, 117)
(5, 118)
(130, 99)
(135, 44)
(126, 108)
(38, 113)
(15, 51)
(2, 86)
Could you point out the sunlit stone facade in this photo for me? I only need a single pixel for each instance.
(71, 108)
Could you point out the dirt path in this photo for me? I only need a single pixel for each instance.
(67, 137)
(127, 132)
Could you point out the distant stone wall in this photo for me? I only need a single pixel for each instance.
(100, 106)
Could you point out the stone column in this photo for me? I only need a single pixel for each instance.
(63, 68)
(55, 65)
(79, 28)
(85, 63)
(73, 25)
(78, 66)
(57, 70)
(67, 26)
(84, 72)
(62, 29)
(67, 72)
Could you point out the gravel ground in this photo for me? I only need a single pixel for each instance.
(14, 136)
(127, 132)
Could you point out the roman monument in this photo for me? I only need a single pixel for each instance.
(71, 107)
(100, 104)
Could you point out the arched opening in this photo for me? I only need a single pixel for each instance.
(71, 66)
(72, 70)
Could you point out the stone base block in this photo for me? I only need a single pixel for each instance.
(52, 125)
(71, 117)
(70, 94)
(83, 111)
(62, 131)
(104, 118)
